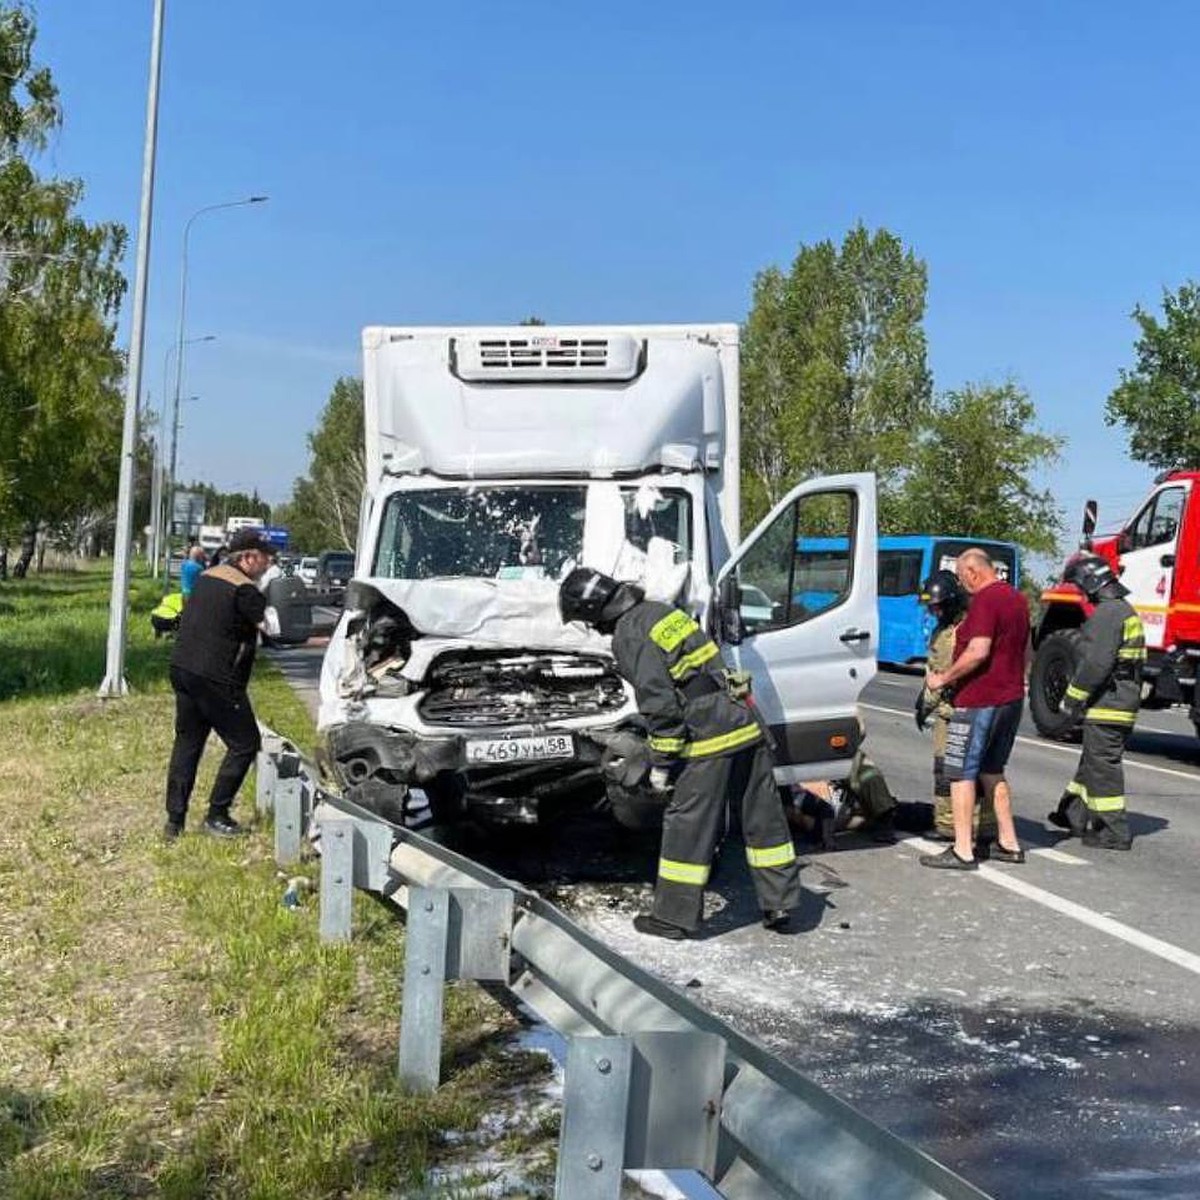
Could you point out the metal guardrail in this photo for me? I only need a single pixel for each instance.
(652, 1080)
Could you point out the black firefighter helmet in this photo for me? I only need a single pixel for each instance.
(595, 599)
(943, 595)
(1094, 577)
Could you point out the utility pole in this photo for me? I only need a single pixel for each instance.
(114, 684)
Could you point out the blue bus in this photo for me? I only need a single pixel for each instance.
(905, 562)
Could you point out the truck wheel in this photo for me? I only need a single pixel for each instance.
(1053, 666)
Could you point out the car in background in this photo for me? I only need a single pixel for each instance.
(306, 569)
(335, 569)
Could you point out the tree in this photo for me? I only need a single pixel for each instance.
(324, 507)
(834, 367)
(60, 288)
(972, 465)
(1158, 401)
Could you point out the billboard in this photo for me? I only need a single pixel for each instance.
(187, 514)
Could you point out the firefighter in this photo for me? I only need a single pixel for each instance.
(706, 745)
(943, 595)
(1105, 692)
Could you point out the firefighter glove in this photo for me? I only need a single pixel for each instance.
(660, 779)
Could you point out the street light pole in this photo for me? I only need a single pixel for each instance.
(157, 519)
(114, 683)
(179, 342)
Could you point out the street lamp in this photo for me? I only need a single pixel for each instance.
(179, 339)
(113, 684)
(157, 500)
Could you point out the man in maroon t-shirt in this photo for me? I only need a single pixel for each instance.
(988, 681)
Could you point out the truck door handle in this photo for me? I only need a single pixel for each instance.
(855, 635)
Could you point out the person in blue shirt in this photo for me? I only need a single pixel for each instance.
(192, 569)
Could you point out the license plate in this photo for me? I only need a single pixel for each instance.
(525, 749)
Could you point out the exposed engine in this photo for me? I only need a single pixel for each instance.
(487, 688)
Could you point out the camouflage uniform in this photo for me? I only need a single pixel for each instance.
(941, 655)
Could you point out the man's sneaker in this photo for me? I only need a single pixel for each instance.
(948, 860)
(224, 826)
(172, 831)
(649, 924)
(1105, 839)
(1000, 854)
(777, 920)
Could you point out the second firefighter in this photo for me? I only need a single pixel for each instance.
(1105, 692)
(706, 747)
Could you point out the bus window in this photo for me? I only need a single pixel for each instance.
(1003, 556)
(899, 572)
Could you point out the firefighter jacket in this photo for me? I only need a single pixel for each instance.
(940, 659)
(1108, 674)
(679, 681)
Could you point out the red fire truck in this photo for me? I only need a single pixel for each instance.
(1157, 555)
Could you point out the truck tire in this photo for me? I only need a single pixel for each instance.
(1053, 665)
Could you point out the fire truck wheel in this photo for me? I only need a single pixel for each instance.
(1053, 665)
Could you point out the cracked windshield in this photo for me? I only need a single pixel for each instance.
(524, 532)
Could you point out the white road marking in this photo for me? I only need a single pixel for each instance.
(1058, 856)
(1129, 762)
(1077, 912)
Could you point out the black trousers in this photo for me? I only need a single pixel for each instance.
(201, 706)
(695, 822)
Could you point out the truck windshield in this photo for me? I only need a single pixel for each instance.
(518, 531)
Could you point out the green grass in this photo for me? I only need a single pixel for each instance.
(167, 1027)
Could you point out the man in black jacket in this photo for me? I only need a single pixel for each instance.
(706, 745)
(1105, 692)
(210, 670)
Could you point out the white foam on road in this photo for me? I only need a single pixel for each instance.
(1077, 912)
(1053, 746)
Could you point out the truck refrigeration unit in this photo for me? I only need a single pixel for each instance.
(498, 458)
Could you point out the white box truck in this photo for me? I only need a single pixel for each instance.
(499, 457)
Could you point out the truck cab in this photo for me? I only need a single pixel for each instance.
(497, 460)
(1156, 553)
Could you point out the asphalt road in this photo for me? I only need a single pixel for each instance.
(1034, 1027)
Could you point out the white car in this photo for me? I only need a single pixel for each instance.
(307, 570)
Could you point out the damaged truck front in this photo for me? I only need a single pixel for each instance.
(496, 459)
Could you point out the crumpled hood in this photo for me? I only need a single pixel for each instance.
(517, 613)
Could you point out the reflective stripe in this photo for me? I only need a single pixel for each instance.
(771, 856)
(1076, 693)
(1138, 653)
(725, 741)
(1077, 789)
(1106, 803)
(696, 658)
(667, 745)
(672, 630)
(682, 872)
(1116, 716)
(1132, 629)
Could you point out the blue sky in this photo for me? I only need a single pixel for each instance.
(482, 161)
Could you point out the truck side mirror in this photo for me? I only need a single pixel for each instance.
(729, 616)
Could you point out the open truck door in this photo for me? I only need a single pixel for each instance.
(796, 606)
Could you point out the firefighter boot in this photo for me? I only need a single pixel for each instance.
(1109, 832)
(1071, 815)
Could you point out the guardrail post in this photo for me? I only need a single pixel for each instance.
(649, 1100)
(591, 1146)
(289, 819)
(267, 767)
(337, 878)
(453, 933)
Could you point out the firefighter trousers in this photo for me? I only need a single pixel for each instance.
(694, 823)
(984, 820)
(1099, 783)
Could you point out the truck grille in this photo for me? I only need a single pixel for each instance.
(477, 690)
